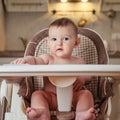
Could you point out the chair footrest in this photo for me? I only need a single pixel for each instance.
(65, 115)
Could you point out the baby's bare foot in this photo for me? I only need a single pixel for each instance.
(90, 114)
(37, 114)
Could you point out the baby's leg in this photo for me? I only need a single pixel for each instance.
(85, 104)
(39, 109)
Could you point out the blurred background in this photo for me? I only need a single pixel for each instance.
(21, 19)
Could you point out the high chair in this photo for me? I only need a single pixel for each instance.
(91, 49)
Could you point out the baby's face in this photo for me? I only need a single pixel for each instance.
(62, 40)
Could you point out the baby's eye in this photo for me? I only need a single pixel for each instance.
(53, 39)
(65, 38)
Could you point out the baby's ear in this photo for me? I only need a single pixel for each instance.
(77, 42)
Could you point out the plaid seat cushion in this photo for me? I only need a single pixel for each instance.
(86, 50)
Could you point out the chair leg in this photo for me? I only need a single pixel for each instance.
(4, 108)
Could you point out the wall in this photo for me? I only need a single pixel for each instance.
(23, 25)
(27, 24)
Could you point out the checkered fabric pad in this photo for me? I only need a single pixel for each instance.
(86, 50)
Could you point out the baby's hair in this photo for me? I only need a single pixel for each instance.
(62, 22)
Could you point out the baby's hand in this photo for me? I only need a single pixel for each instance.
(19, 61)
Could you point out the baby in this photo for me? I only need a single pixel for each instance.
(62, 38)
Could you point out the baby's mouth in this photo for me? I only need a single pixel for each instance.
(59, 49)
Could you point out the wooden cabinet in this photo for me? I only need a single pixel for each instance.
(26, 5)
(111, 4)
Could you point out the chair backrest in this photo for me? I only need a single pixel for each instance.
(91, 49)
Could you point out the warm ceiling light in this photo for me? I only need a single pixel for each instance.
(84, 1)
(63, 1)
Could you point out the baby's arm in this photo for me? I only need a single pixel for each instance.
(24, 60)
(43, 59)
(81, 80)
(85, 79)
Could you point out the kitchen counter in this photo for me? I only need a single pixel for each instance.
(12, 54)
(114, 54)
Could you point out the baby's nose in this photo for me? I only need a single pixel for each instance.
(60, 42)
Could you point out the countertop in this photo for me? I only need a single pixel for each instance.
(12, 54)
